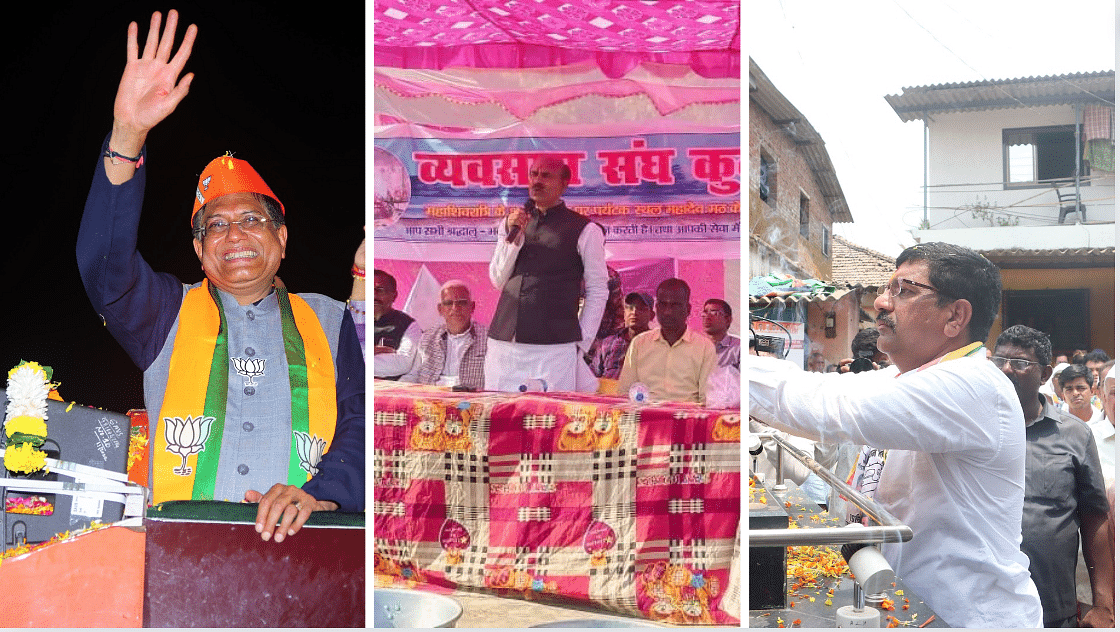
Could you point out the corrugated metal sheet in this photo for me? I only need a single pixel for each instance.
(1087, 87)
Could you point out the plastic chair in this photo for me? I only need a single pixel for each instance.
(1067, 203)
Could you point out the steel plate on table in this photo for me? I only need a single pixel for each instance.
(397, 608)
(599, 623)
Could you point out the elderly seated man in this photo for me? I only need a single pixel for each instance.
(454, 353)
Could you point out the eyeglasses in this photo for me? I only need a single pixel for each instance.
(1016, 363)
(249, 224)
(459, 302)
(894, 288)
(712, 312)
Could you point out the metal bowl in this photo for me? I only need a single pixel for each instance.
(599, 623)
(396, 608)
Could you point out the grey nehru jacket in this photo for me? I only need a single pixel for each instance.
(258, 424)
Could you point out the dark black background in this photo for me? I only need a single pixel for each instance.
(280, 85)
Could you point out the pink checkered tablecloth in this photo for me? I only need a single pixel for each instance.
(631, 507)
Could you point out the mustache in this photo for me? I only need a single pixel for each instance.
(884, 319)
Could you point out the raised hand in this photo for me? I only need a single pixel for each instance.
(150, 87)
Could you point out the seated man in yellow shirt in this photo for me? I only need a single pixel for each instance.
(674, 360)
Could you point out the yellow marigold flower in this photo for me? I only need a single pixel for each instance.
(27, 425)
(24, 459)
(34, 367)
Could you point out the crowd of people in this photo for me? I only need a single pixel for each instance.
(1001, 460)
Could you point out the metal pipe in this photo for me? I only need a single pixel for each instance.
(891, 529)
(873, 509)
(1077, 159)
(925, 171)
(780, 481)
(829, 535)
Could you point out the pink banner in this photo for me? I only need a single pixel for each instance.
(673, 188)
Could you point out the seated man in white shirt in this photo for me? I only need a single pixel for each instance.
(395, 333)
(454, 353)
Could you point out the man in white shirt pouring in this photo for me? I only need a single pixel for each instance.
(951, 425)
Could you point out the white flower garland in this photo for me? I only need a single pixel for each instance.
(25, 422)
(28, 387)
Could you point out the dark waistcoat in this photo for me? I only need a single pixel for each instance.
(540, 301)
(389, 330)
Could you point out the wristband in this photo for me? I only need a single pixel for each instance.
(357, 273)
(114, 156)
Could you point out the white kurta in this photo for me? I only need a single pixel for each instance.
(954, 473)
(403, 359)
(1104, 434)
(510, 364)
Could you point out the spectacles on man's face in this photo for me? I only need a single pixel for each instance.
(219, 225)
(894, 288)
(712, 312)
(461, 303)
(1016, 363)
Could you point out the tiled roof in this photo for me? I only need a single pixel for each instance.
(854, 265)
(768, 301)
(1052, 258)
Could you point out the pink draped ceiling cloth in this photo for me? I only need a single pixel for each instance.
(664, 38)
(617, 34)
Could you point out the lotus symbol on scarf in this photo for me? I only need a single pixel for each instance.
(250, 368)
(310, 450)
(186, 437)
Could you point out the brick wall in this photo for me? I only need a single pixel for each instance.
(776, 222)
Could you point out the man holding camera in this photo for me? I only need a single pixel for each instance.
(866, 355)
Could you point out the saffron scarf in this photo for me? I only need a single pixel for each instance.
(188, 437)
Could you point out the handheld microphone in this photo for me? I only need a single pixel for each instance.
(513, 232)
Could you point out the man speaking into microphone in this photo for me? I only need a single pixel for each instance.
(545, 254)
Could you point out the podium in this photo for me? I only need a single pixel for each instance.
(206, 566)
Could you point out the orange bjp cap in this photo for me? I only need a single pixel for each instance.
(227, 174)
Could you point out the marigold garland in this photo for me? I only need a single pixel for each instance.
(17, 551)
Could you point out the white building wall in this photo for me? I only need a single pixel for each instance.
(1068, 237)
(966, 170)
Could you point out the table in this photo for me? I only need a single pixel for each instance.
(591, 499)
(814, 605)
